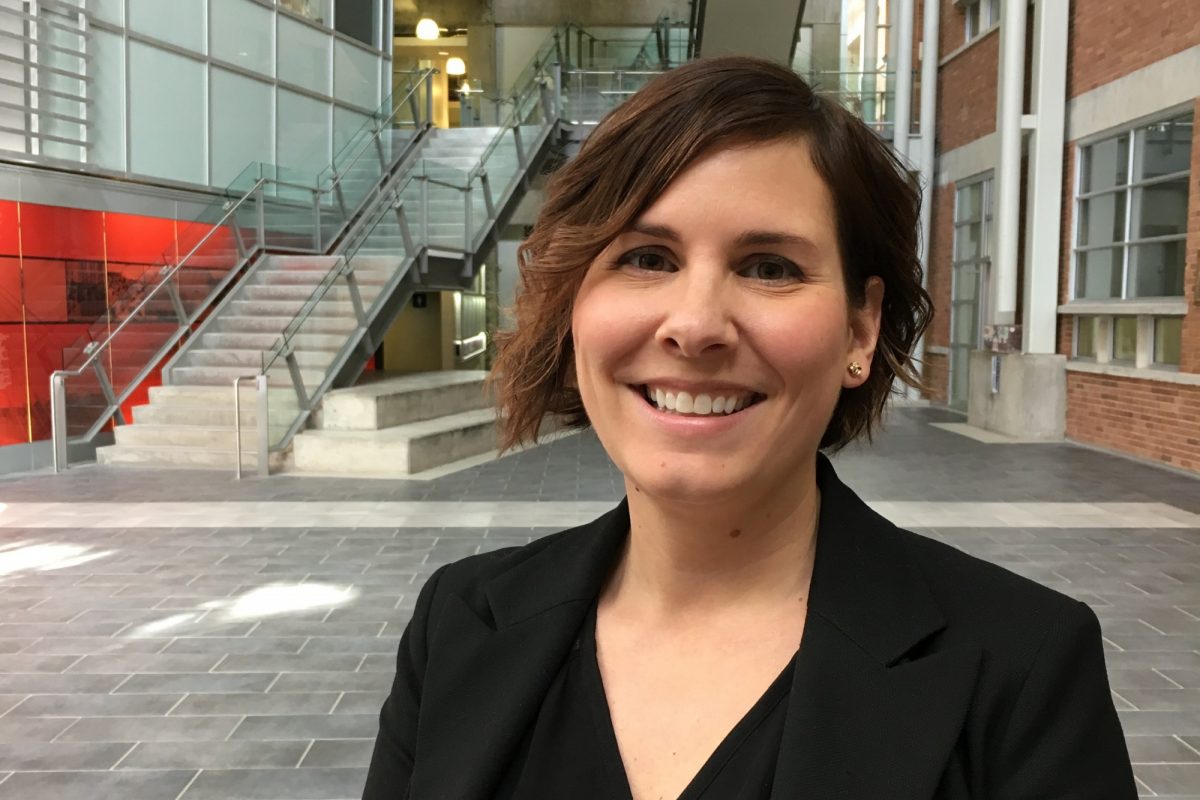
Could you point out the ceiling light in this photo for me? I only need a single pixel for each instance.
(456, 66)
(427, 29)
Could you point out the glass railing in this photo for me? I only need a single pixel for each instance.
(589, 94)
(871, 96)
(267, 207)
(433, 205)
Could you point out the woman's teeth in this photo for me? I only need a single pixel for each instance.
(696, 405)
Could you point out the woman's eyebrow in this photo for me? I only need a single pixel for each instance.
(744, 239)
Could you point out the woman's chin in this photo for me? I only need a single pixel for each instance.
(688, 488)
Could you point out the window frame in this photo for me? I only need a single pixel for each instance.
(1127, 189)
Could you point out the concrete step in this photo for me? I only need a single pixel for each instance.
(219, 397)
(179, 457)
(213, 437)
(261, 292)
(330, 342)
(387, 402)
(223, 376)
(400, 450)
(326, 307)
(318, 324)
(209, 416)
(252, 359)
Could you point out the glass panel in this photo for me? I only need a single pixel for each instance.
(313, 10)
(1164, 148)
(969, 203)
(241, 132)
(1102, 219)
(1168, 340)
(968, 241)
(181, 22)
(1124, 338)
(1161, 209)
(168, 137)
(965, 328)
(1106, 164)
(1156, 270)
(1098, 273)
(972, 20)
(245, 35)
(107, 127)
(356, 19)
(1086, 342)
(303, 55)
(112, 11)
(302, 131)
(355, 75)
(960, 360)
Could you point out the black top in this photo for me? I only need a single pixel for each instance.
(571, 749)
(924, 674)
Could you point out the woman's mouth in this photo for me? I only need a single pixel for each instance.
(699, 404)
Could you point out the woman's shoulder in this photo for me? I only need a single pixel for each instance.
(988, 603)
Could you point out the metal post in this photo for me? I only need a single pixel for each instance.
(904, 77)
(107, 390)
(870, 59)
(557, 72)
(262, 418)
(1008, 169)
(424, 179)
(929, 70)
(58, 419)
(261, 225)
(297, 379)
(522, 158)
(316, 195)
(428, 81)
(410, 248)
(488, 201)
(237, 427)
(467, 221)
(176, 300)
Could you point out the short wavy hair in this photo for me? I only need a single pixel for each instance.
(627, 163)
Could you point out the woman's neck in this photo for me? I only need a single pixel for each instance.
(685, 559)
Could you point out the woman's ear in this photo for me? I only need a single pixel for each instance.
(865, 321)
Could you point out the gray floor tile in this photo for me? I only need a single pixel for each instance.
(95, 705)
(361, 702)
(197, 682)
(142, 729)
(142, 785)
(340, 753)
(23, 729)
(274, 703)
(36, 756)
(305, 726)
(274, 784)
(1160, 749)
(215, 755)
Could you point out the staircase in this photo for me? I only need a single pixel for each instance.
(190, 421)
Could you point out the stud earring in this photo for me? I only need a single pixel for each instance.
(855, 368)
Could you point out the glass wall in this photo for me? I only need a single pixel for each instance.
(60, 268)
(191, 92)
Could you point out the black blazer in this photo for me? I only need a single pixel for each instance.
(922, 673)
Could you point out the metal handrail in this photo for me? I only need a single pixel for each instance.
(96, 350)
(424, 76)
(237, 422)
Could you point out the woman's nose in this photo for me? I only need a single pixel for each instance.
(698, 316)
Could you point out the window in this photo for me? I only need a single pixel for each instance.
(981, 15)
(1087, 338)
(972, 232)
(1131, 210)
(1131, 213)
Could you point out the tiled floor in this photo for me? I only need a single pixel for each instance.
(234, 640)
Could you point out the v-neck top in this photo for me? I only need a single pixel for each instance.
(570, 749)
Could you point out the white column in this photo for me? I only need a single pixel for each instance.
(903, 62)
(1044, 222)
(870, 58)
(927, 160)
(1008, 173)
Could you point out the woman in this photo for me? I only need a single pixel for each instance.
(723, 283)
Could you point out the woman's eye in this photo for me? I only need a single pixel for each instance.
(772, 271)
(649, 260)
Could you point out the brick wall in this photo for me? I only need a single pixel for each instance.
(1150, 419)
(1111, 38)
(936, 374)
(966, 102)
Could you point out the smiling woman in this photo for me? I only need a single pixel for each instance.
(724, 283)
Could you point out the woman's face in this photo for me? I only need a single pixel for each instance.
(712, 339)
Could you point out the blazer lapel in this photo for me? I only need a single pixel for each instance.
(487, 684)
(866, 719)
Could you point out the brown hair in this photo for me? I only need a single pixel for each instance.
(631, 158)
